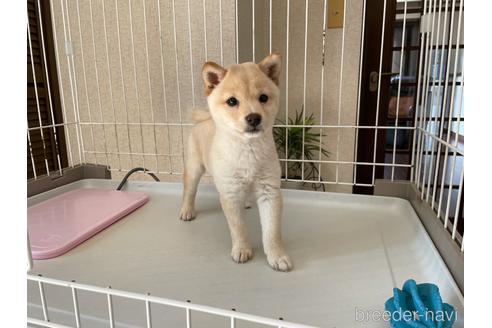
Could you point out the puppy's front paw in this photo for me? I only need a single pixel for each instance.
(242, 253)
(187, 213)
(280, 262)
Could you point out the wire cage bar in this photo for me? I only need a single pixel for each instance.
(146, 299)
(438, 170)
(129, 76)
(131, 69)
(129, 115)
(122, 119)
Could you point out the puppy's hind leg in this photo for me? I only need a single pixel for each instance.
(248, 204)
(248, 199)
(193, 172)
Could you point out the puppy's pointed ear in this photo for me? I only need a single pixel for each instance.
(212, 75)
(271, 66)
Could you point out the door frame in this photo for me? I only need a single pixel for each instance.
(369, 99)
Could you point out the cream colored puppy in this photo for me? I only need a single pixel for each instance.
(234, 143)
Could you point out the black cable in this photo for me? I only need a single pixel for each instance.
(137, 169)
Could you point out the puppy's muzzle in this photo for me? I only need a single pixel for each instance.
(253, 120)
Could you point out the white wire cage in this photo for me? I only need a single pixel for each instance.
(129, 75)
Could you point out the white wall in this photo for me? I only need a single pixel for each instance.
(119, 84)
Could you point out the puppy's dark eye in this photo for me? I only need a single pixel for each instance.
(232, 102)
(263, 98)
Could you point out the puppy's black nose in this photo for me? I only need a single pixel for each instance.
(253, 119)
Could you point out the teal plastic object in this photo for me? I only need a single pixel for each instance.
(419, 306)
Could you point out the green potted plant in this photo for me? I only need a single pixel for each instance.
(293, 138)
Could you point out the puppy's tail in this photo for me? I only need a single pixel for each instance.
(200, 115)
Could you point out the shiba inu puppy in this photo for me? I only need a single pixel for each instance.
(234, 143)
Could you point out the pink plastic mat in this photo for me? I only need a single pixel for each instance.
(59, 224)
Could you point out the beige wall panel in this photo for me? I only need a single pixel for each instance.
(144, 84)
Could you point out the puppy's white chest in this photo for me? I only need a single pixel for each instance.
(245, 165)
(240, 164)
